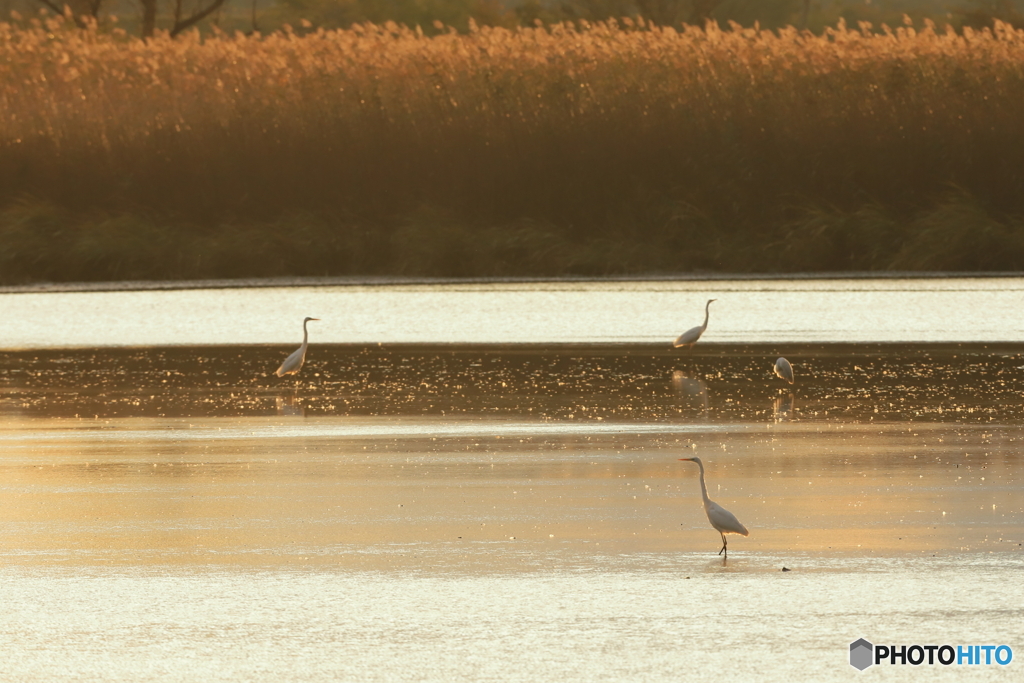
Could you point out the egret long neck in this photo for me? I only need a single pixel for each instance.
(703, 486)
(305, 332)
(707, 312)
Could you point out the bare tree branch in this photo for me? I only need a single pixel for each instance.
(53, 7)
(182, 24)
(701, 11)
(148, 18)
(92, 8)
(255, 26)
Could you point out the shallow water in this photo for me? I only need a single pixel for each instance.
(507, 503)
(599, 623)
(505, 512)
(640, 384)
(344, 548)
(495, 495)
(747, 311)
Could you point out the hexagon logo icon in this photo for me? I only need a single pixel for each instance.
(861, 654)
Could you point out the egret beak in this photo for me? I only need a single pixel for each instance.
(690, 459)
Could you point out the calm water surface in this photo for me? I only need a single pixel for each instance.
(747, 311)
(508, 512)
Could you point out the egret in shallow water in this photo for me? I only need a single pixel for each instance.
(293, 363)
(784, 370)
(724, 521)
(690, 337)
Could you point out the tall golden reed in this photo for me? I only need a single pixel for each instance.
(583, 127)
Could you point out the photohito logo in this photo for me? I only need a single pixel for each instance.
(863, 654)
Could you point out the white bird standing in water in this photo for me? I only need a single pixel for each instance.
(784, 370)
(293, 363)
(724, 521)
(690, 337)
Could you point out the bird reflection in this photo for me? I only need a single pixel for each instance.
(289, 405)
(783, 407)
(692, 391)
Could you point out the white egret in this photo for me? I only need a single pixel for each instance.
(724, 521)
(784, 370)
(293, 363)
(690, 337)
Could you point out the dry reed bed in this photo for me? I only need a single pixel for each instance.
(687, 140)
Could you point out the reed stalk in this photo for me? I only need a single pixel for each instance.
(590, 148)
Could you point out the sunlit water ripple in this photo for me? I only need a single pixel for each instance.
(430, 500)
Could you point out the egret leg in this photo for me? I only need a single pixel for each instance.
(725, 546)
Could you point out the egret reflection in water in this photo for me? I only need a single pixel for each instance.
(693, 392)
(288, 406)
(783, 407)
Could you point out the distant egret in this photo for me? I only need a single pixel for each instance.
(784, 370)
(293, 363)
(724, 521)
(690, 337)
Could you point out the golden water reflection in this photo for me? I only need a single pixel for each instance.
(496, 495)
